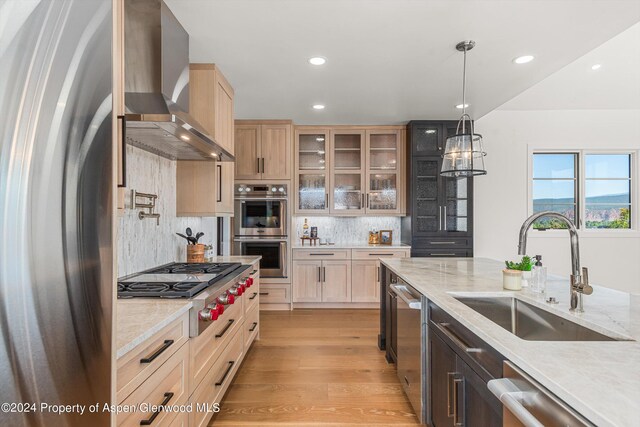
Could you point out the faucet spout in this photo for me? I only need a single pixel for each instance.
(579, 277)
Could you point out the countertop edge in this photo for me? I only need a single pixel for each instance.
(152, 330)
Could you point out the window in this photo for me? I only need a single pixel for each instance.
(591, 189)
(555, 187)
(607, 191)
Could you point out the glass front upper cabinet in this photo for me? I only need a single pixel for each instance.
(383, 151)
(312, 171)
(347, 172)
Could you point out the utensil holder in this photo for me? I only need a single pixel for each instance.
(195, 253)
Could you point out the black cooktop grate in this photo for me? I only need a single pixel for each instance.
(168, 289)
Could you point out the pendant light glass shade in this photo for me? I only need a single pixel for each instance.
(464, 152)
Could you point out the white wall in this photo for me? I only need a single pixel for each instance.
(501, 197)
(141, 243)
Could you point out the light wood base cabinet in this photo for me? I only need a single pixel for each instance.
(166, 386)
(365, 281)
(339, 277)
(217, 380)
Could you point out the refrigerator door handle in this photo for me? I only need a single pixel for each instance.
(122, 179)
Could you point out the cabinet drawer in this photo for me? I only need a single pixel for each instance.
(275, 294)
(215, 383)
(136, 366)
(206, 347)
(167, 386)
(319, 254)
(442, 243)
(251, 327)
(252, 296)
(486, 361)
(375, 253)
(435, 252)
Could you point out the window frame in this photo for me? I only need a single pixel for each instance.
(634, 192)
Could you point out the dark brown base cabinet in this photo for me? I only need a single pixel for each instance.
(439, 221)
(458, 377)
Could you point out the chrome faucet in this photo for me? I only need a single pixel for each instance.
(579, 278)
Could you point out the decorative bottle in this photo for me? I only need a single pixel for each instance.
(305, 229)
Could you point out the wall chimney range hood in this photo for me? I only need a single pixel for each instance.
(157, 86)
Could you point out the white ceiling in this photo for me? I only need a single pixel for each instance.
(615, 85)
(390, 61)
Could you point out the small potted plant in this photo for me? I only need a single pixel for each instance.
(512, 275)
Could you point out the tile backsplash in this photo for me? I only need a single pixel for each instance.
(345, 230)
(141, 243)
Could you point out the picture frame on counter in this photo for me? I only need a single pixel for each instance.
(386, 237)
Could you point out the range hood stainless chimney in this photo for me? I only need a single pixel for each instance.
(157, 86)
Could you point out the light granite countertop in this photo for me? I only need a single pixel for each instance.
(138, 319)
(600, 380)
(356, 245)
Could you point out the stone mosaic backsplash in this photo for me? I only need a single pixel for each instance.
(141, 243)
(346, 230)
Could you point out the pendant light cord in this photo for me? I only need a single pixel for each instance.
(464, 88)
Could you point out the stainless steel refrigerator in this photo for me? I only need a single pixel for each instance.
(56, 162)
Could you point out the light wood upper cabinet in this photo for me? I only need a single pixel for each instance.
(263, 149)
(312, 171)
(248, 157)
(363, 173)
(211, 102)
(206, 188)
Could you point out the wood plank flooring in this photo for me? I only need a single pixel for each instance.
(316, 368)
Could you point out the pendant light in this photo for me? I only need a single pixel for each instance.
(464, 152)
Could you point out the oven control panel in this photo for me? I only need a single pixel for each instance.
(260, 190)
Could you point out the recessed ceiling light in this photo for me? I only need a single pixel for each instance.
(460, 106)
(596, 66)
(317, 60)
(185, 137)
(318, 107)
(214, 155)
(523, 59)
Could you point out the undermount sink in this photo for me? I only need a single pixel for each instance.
(529, 322)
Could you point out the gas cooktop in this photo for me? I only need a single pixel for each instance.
(176, 280)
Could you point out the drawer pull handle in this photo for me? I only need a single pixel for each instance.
(158, 352)
(444, 328)
(442, 254)
(167, 397)
(225, 329)
(322, 254)
(255, 294)
(253, 327)
(264, 293)
(443, 243)
(380, 254)
(226, 373)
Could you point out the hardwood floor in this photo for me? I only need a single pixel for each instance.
(316, 368)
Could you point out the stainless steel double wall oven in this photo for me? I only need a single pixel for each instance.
(260, 226)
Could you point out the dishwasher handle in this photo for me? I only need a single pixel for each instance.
(404, 294)
(531, 403)
(500, 388)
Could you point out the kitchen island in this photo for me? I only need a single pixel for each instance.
(599, 379)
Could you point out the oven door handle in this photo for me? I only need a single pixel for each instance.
(259, 239)
(283, 257)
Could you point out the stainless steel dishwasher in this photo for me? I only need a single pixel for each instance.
(528, 404)
(411, 327)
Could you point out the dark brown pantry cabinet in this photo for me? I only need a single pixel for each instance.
(439, 221)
